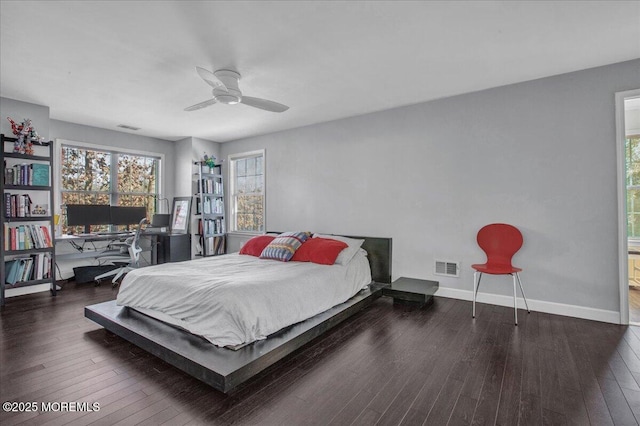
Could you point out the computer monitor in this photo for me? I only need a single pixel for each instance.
(87, 215)
(121, 215)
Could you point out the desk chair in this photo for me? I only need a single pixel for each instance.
(126, 263)
(500, 242)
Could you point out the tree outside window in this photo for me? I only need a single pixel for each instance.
(92, 176)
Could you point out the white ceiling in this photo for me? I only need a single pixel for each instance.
(107, 63)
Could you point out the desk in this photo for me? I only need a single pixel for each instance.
(164, 247)
(78, 243)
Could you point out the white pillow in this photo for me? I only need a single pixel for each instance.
(347, 254)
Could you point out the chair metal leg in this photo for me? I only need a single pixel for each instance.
(118, 275)
(473, 310)
(515, 300)
(522, 290)
(107, 274)
(476, 286)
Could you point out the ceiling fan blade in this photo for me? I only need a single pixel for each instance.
(201, 105)
(210, 78)
(264, 104)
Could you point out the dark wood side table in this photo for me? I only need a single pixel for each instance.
(411, 291)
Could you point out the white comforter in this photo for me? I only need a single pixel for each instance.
(235, 299)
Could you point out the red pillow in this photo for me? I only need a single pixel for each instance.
(324, 251)
(255, 245)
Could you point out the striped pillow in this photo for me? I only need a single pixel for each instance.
(284, 246)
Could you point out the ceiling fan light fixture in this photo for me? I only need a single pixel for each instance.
(226, 91)
(228, 99)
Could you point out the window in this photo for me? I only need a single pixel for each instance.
(247, 192)
(633, 186)
(96, 176)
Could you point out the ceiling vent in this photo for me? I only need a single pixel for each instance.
(124, 126)
(446, 268)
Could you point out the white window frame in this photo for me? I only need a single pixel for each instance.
(57, 155)
(232, 189)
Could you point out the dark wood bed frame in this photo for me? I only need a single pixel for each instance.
(223, 368)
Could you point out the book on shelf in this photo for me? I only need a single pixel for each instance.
(34, 267)
(211, 226)
(212, 205)
(12, 269)
(17, 205)
(214, 245)
(26, 237)
(7, 204)
(34, 174)
(40, 174)
(210, 186)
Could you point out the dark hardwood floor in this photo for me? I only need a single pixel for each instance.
(387, 365)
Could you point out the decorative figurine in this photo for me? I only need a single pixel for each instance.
(25, 133)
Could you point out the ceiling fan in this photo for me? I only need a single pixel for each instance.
(226, 91)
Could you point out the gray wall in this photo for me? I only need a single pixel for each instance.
(18, 111)
(540, 155)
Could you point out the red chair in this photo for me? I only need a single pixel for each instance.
(500, 242)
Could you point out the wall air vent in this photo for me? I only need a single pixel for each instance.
(124, 126)
(446, 268)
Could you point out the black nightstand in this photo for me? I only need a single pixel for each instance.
(173, 248)
(411, 291)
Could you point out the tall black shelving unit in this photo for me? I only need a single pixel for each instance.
(9, 159)
(210, 211)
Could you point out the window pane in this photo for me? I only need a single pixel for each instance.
(633, 160)
(84, 198)
(251, 166)
(249, 213)
(633, 212)
(241, 185)
(136, 174)
(85, 170)
(633, 180)
(241, 167)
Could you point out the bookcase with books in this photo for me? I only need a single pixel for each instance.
(209, 210)
(27, 253)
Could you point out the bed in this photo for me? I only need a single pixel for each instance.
(199, 351)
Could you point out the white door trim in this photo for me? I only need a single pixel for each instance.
(623, 249)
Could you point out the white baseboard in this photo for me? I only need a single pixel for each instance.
(535, 305)
(19, 291)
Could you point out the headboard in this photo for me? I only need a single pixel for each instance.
(379, 252)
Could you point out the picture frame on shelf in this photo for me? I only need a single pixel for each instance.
(181, 214)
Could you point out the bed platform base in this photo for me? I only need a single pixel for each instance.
(221, 368)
